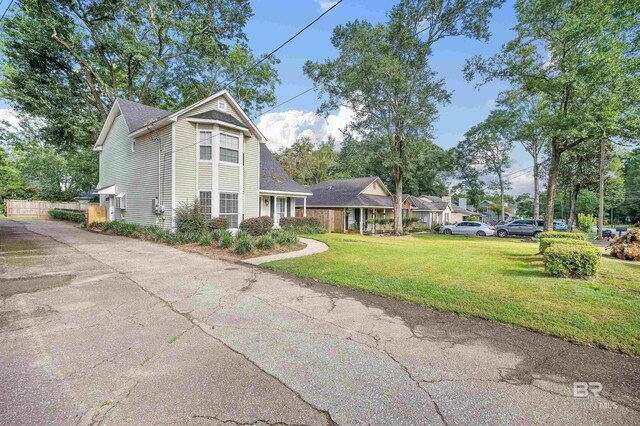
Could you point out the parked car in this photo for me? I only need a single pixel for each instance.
(559, 225)
(468, 228)
(521, 227)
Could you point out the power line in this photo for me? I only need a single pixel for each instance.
(6, 10)
(225, 84)
(288, 100)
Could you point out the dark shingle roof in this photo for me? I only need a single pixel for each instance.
(220, 116)
(346, 193)
(138, 115)
(425, 203)
(273, 177)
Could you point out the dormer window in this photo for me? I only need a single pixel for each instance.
(222, 106)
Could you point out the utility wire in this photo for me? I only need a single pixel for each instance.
(288, 100)
(252, 67)
(6, 10)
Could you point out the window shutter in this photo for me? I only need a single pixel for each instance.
(288, 206)
(272, 206)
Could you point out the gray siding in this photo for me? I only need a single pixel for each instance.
(133, 171)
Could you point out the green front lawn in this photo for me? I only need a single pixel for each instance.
(497, 279)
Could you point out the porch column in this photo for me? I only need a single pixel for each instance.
(304, 207)
(361, 220)
(276, 221)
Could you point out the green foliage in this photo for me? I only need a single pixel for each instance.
(410, 220)
(244, 243)
(545, 243)
(473, 218)
(302, 225)
(218, 223)
(573, 261)
(225, 239)
(70, 215)
(256, 226)
(190, 220)
(308, 163)
(265, 242)
(382, 74)
(586, 222)
(284, 237)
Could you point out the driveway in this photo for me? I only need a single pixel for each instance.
(102, 329)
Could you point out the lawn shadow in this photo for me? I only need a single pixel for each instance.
(528, 265)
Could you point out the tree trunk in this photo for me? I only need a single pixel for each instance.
(536, 187)
(501, 197)
(601, 188)
(573, 200)
(552, 183)
(397, 201)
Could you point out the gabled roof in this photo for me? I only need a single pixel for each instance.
(219, 116)
(456, 208)
(347, 193)
(136, 115)
(273, 178)
(425, 204)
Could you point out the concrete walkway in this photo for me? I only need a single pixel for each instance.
(99, 329)
(312, 247)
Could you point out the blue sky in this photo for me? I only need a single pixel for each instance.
(276, 20)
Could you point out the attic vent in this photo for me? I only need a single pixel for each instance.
(375, 185)
(222, 106)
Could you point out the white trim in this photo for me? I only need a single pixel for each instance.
(174, 116)
(113, 113)
(244, 130)
(215, 171)
(198, 130)
(349, 207)
(107, 190)
(265, 192)
(173, 175)
(377, 179)
(239, 194)
(240, 165)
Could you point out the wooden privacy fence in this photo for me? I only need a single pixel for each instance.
(40, 208)
(96, 213)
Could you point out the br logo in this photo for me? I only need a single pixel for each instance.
(583, 389)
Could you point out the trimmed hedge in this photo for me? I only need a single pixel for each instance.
(218, 223)
(558, 234)
(299, 221)
(70, 215)
(545, 243)
(256, 226)
(574, 261)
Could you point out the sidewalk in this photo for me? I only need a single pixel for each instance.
(313, 247)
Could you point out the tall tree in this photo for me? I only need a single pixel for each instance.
(309, 163)
(468, 176)
(488, 145)
(527, 128)
(67, 61)
(565, 52)
(382, 74)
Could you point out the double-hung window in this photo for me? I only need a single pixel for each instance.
(204, 143)
(229, 208)
(205, 202)
(229, 148)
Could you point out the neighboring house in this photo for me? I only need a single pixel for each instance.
(459, 211)
(431, 213)
(347, 204)
(85, 197)
(492, 216)
(152, 161)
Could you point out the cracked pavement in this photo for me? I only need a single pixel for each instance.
(98, 329)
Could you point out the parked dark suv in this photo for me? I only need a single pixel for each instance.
(523, 227)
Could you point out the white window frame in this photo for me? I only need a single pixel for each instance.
(220, 148)
(200, 145)
(222, 105)
(225, 214)
(210, 213)
(121, 201)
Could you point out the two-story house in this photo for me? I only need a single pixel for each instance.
(153, 160)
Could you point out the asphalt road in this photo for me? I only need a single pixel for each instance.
(96, 329)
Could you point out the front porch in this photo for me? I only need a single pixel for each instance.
(362, 220)
(279, 205)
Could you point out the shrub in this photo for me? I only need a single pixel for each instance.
(548, 242)
(206, 239)
(218, 223)
(284, 237)
(257, 226)
(302, 225)
(586, 222)
(473, 218)
(124, 229)
(220, 233)
(190, 220)
(628, 246)
(406, 221)
(70, 215)
(566, 260)
(244, 244)
(226, 239)
(558, 234)
(265, 242)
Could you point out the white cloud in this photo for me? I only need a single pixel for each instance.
(9, 114)
(283, 128)
(325, 5)
(491, 103)
(521, 183)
